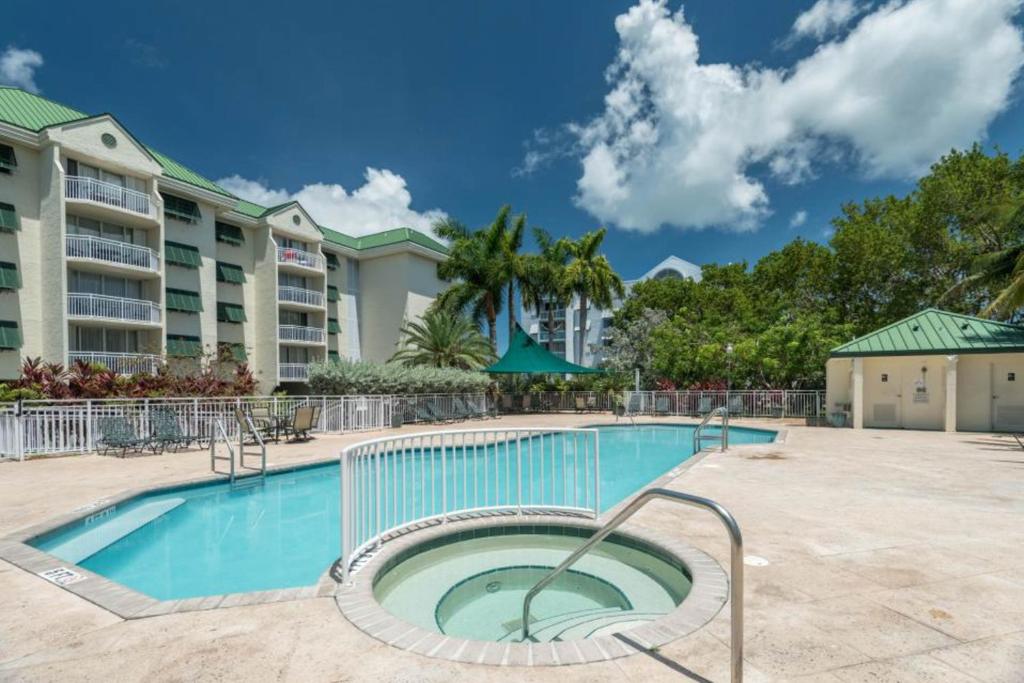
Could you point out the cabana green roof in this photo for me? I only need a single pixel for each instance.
(933, 332)
(526, 356)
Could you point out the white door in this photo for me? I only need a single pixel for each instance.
(882, 394)
(1007, 396)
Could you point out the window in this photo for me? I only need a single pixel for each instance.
(99, 339)
(332, 260)
(229, 234)
(230, 313)
(8, 160)
(293, 318)
(235, 352)
(293, 354)
(8, 218)
(289, 243)
(83, 282)
(10, 336)
(332, 326)
(10, 279)
(183, 255)
(332, 293)
(183, 300)
(181, 209)
(227, 272)
(334, 356)
(290, 280)
(78, 225)
(77, 168)
(184, 346)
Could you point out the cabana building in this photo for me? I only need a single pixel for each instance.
(934, 370)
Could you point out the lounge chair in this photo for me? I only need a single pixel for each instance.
(506, 403)
(736, 405)
(118, 434)
(526, 404)
(464, 410)
(167, 432)
(704, 405)
(581, 404)
(661, 405)
(635, 405)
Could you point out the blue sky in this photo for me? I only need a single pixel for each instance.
(445, 99)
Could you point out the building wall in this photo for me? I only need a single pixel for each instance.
(24, 306)
(393, 289)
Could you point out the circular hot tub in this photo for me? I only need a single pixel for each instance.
(466, 581)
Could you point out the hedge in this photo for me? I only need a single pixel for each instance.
(361, 377)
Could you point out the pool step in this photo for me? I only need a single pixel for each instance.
(584, 624)
(91, 541)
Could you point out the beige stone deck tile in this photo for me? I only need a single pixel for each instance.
(910, 565)
(999, 659)
(920, 668)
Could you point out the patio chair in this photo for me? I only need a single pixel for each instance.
(591, 404)
(465, 410)
(704, 405)
(635, 405)
(302, 422)
(118, 433)
(581, 404)
(736, 405)
(167, 432)
(661, 406)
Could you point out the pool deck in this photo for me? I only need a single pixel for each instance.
(872, 556)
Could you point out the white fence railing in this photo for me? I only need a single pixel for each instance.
(777, 403)
(557, 401)
(298, 257)
(112, 251)
(111, 194)
(293, 372)
(300, 295)
(433, 408)
(123, 363)
(301, 333)
(103, 307)
(393, 482)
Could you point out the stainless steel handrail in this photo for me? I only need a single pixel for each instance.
(245, 423)
(218, 426)
(735, 565)
(698, 433)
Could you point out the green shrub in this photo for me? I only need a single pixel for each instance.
(361, 377)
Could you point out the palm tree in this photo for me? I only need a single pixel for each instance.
(443, 340)
(1003, 270)
(543, 283)
(591, 277)
(513, 264)
(475, 265)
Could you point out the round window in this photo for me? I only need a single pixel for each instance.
(296, 220)
(109, 140)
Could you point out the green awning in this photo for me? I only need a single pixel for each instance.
(8, 218)
(10, 336)
(228, 272)
(184, 346)
(332, 260)
(230, 234)
(526, 356)
(333, 327)
(181, 209)
(334, 356)
(9, 276)
(184, 300)
(184, 255)
(332, 293)
(236, 351)
(8, 160)
(230, 313)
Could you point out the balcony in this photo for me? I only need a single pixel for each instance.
(299, 334)
(123, 363)
(112, 252)
(113, 308)
(300, 296)
(287, 256)
(292, 372)
(82, 188)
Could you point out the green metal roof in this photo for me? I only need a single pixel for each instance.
(383, 239)
(250, 209)
(186, 175)
(936, 332)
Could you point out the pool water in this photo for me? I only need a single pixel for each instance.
(283, 532)
(474, 587)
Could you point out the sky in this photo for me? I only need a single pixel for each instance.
(714, 130)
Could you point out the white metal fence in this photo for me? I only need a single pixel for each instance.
(123, 363)
(300, 295)
(301, 333)
(393, 482)
(298, 257)
(112, 251)
(111, 194)
(102, 306)
(780, 403)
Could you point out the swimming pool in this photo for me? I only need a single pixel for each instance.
(283, 532)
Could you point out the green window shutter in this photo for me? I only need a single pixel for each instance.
(182, 254)
(237, 351)
(332, 260)
(184, 346)
(230, 234)
(184, 300)
(10, 336)
(230, 313)
(228, 272)
(9, 277)
(332, 326)
(8, 218)
(181, 209)
(8, 160)
(332, 293)
(333, 356)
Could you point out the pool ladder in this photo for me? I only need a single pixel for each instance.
(735, 564)
(220, 435)
(699, 437)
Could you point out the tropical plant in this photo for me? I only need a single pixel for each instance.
(544, 281)
(442, 339)
(590, 276)
(363, 377)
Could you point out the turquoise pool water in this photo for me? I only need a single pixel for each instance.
(284, 533)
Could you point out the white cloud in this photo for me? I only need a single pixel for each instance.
(680, 142)
(798, 219)
(18, 68)
(825, 17)
(383, 202)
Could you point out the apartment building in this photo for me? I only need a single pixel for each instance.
(563, 333)
(114, 253)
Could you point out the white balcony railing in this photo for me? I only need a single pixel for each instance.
(300, 295)
(300, 333)
(292, 372)
(101, 306)
(112, 251)
(123, 363)
(111, 194)
(298, 257)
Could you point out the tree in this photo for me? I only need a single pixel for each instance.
(443, 340)
(512, 264)
(629, 347)
(544, 281)
(474, 263)
(591, 277)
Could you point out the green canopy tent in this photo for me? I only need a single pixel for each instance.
(526, 356)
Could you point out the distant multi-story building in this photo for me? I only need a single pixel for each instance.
(567, 319)
(114, 253)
